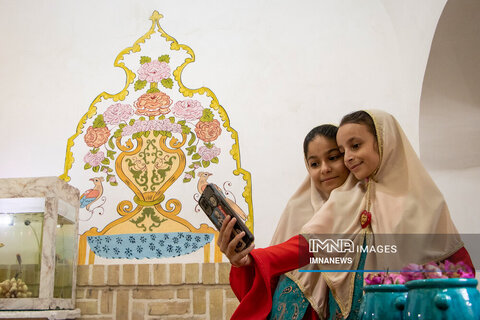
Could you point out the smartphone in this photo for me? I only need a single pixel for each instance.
(213, 203)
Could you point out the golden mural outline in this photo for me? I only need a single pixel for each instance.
(187, 92)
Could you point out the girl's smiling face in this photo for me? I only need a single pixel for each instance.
(325, 164)
(360, 149)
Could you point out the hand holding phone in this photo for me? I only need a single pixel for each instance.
(216, 207)
(227, 246)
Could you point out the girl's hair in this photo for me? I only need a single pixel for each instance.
(360, 117)
(328, 131)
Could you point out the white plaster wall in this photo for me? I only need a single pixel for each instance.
(450, 111)
(460, 188)
(278, 67)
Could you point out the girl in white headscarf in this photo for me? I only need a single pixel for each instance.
(326, 171)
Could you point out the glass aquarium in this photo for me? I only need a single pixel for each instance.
(21, 247)
(38, 247)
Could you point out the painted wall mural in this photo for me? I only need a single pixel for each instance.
(142, 157)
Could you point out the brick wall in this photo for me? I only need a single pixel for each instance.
(155, 291)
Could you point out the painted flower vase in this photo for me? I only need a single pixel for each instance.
(432, 299)
(383, 302)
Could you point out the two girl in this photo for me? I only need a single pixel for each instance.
(388, 192)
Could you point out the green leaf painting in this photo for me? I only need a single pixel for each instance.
(192, 139)
(140, 84)
(152, 90)
(98, 122)
(167, 83)
(207, 115)
(164, 58)
(110, 154)
(111, 145)
(118, 133)
(145, 59)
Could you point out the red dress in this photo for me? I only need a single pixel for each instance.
(254, 285)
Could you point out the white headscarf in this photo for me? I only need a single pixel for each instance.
(299, 210)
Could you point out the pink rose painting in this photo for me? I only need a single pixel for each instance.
(128, 131)
(151, 125)
(189, 110)
(208, 154)
(94, 159)
(154, 71)
(117, 113)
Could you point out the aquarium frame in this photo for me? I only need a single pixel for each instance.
(52, 189)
